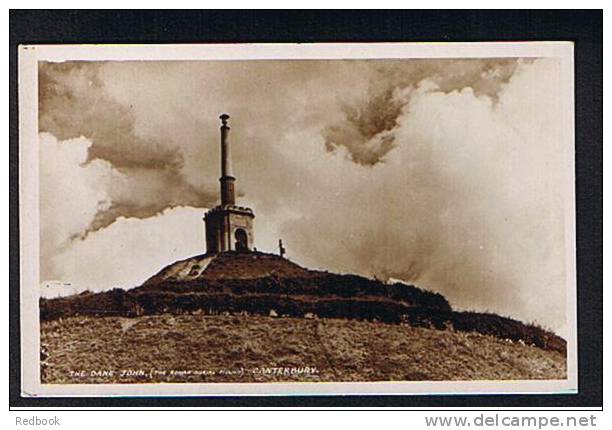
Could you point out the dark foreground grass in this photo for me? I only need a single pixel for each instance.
(232, 348)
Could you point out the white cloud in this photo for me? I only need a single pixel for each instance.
(71, 193)
(131, 250)
(469, 203)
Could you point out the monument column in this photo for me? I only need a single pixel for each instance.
(227, 176)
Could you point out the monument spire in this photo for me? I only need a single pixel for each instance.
(228, 227)
(227, 178)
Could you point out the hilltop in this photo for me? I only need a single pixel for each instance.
(256, 283)
(252, 283)
(239, 310)
(230, 265)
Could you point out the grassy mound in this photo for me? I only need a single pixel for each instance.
(255, 283)
(231, 348)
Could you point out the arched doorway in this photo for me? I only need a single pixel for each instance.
(241, 240)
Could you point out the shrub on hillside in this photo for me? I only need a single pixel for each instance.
(384, 309)
(347, 286)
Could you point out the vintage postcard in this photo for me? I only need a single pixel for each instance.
(265, 219)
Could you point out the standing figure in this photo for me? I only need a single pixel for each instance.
(281, 248)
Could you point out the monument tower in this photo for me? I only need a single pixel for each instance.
(228, 227)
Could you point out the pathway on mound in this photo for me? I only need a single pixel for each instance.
(230, 265)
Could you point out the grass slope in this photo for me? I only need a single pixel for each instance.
(232, 348)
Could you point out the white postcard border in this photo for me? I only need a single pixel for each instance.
(29, 56)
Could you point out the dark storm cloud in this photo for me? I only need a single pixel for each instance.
(163, 189)
(367, 129)
(74, 103)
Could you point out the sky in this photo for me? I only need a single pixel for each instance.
(447, 174)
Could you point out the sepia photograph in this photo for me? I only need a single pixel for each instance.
(280, 218)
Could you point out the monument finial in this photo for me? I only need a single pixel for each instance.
(224, 117)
